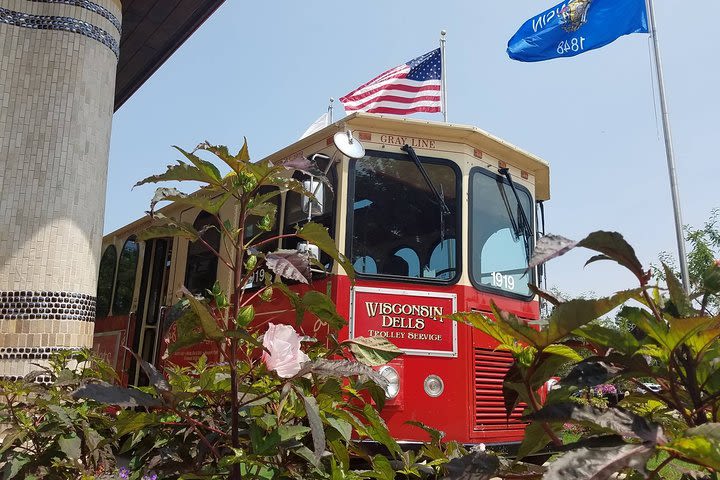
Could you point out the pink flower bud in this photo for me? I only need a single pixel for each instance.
(285, 357)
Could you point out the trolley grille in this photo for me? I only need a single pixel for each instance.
(490, 369)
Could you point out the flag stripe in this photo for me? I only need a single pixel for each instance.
(411, 93)
(412, 87)
(394, 99)
(404, 111)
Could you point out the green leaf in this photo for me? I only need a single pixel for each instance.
(263, 442)
(12, 437)
(373, 351)
(573, 314)
(166, 194)
(211, 175)
(489, 327)
(551, 359)
(678, 297)
(323, 308)
(563, 351)
(207, 320)
(619, 339)
(168, 228)
(180, 173)
(517, 328)
(435, 435)
(130, 421)
(70, 446)
(382, 469)
(292, 432)
(535, 439)
(378, 431)
(16, 464)
(699, 444)
(343, 428)
(318, 235)
(189, 330)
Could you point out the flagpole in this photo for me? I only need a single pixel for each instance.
(443, 78)
(330, 111)
(669, 150)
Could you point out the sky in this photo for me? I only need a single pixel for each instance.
(265, 71)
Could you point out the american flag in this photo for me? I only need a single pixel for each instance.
(408, 88)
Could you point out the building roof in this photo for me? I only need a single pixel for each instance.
(151, 31)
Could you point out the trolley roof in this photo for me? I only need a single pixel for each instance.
(472, 136)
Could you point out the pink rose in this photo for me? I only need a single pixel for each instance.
(285, 357)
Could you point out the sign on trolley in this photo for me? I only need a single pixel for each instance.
(412, 320)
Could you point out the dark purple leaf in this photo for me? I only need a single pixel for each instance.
(114, 395)
(290, 264)
(476, 465)
(599, 463)
(621, 421)
(549, 247)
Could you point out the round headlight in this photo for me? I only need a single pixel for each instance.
(393, 378)
(434, 386)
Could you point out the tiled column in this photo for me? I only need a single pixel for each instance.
(57, 79)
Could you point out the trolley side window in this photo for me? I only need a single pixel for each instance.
(201, 265)
(106, 278)
(125, 284)
(299, 209)
(400, 227)
(500, 243)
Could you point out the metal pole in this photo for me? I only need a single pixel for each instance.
(330, 112)
(669, 150)
(443, 78)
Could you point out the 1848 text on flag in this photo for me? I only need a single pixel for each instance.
(408, 88)
(576, 26)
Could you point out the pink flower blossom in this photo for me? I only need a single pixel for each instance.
(717, 262)
(285, 357)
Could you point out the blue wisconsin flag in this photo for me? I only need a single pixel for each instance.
(576, 26)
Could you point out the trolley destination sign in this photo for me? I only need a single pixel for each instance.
(412, 320)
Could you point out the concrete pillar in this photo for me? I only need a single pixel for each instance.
(57, 79)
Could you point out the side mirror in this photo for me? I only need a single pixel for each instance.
(314, 208)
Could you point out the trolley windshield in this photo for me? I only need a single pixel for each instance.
(500, 242)
(400, 228)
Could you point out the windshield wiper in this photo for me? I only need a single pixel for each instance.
(523, 224)
(411, 152)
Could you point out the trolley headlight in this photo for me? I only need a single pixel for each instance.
(434, 386)
(393, 378)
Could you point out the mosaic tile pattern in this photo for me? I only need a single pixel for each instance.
(47, 306)
(67, 24)
(91, 6)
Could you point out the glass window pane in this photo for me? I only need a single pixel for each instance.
(298, 207)
(500, 249)
(201, 266)
(398, 219)
(125, 285)
(106, 277)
